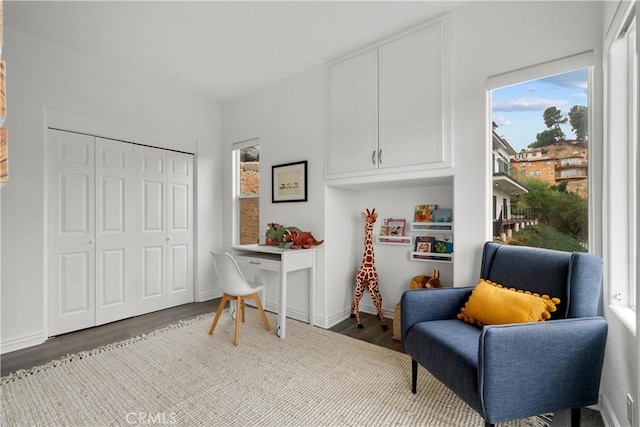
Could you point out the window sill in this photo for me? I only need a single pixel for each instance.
(626, 315)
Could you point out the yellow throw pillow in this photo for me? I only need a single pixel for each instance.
(493, 304)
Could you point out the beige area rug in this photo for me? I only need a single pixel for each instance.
(182, 376)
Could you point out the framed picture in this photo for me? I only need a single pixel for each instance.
(396, 227)
(289, 182)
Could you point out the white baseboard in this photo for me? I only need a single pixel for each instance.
(206, 296)
(23, 341)
(606, 412)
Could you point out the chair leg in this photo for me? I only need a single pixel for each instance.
(414, 376)
(261, 310)
(223, 303)
(575, 417)
(242, 308)
(239, 302)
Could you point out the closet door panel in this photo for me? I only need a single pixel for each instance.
(115, 231)
(71, 232)
(180, 228)
(151, 234)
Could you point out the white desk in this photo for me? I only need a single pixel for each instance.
(282, 261)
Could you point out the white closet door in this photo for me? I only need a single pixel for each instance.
(115, 231)
(180, 228)
(71, 232)
(151, 230)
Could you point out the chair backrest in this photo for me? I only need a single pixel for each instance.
(574, 277)
(230, 278)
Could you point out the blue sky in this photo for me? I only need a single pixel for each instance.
(518, 109)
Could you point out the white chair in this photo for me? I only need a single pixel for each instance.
(235, 286)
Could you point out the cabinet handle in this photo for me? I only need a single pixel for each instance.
(380, 156)
(255, 262)
(373, 157)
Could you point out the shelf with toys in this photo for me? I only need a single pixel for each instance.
(435, 241)
(431, 235)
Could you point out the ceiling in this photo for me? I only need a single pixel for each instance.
(222, 49)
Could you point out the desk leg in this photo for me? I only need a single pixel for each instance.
(282, 310)
(312, 291)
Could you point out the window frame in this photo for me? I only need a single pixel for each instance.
(622, 141)
(237, 196)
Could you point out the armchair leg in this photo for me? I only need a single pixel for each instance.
(488, 424)
(575, 417)
(414, 376)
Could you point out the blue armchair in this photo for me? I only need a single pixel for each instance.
(512, 371)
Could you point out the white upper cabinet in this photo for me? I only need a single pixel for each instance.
(388, 107)
(352, 134)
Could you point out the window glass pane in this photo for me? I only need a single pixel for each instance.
(250, 170)
(249, 221)
(248, 195)
(546, 198)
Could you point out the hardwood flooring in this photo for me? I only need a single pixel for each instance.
(88, 339)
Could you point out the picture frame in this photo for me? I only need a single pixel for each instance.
(289, 182)
(396, 226)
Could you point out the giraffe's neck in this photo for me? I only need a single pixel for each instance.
(368, 257)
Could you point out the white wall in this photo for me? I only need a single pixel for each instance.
(44, 77)
(489, 39)
(492, 38)
(287, 117)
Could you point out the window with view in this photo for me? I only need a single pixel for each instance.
(247, 192)
(545, 199)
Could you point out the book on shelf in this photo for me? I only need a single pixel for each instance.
(423, 244)
(424, 213)
(443, 246)
(442, 215)
(393, 227)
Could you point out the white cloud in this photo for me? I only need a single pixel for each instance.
(528, 104)
(501, 121)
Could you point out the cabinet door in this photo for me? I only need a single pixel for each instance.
(180, 286)
(352, 114)
(71, 232)
(115, 231)
(411, 99)
(151, 229)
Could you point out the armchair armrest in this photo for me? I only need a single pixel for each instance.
(422, 305)
(542, 366)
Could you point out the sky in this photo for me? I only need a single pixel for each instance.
(518, 109)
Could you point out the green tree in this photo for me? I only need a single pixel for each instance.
(547, 137)
(541, 197)
(578, 119)
(567, 212)
(571, 215)
(553, 118)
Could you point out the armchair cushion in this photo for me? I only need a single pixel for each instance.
(493, 304)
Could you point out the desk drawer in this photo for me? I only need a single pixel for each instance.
(258, 263)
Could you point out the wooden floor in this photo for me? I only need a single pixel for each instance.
(88, 339)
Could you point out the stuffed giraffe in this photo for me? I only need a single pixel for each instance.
(367, 277)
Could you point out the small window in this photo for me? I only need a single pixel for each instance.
(247, 192)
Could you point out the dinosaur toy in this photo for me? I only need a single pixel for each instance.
(276, 233)
(301, 239)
